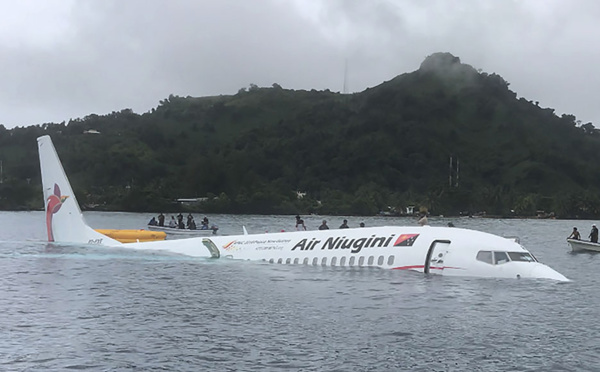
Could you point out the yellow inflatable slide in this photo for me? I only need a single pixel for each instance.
(133, 236)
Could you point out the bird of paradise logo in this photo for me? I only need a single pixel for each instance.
(53, 204)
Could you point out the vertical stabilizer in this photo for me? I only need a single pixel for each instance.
(64, 220)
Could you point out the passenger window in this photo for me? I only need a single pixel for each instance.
(380, 260)
(361, 261)
(391, 260)
(343, 261)
(315, 261)
(305, 262)
(324, 261)
(351, 262)
(333, 261)
(296, 261)
(371, 260)
(500, 258)
(485, 256)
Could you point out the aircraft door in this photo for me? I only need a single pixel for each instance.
(434, 263)
(212, 248)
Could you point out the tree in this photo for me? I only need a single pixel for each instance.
(588, 128)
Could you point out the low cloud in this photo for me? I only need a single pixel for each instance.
(100, 56)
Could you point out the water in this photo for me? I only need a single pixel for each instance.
(100, 309)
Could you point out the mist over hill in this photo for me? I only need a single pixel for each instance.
(445, 138)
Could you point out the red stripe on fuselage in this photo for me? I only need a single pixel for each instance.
(409, 267)
(422, 267)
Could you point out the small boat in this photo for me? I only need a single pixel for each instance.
(583, 245)
(177, 231)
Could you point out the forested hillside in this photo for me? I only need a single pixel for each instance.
(445, 138)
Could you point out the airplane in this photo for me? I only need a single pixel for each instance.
(447, 251)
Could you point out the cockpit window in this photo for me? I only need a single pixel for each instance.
(500, 258)
(521, 256)
(485, 256)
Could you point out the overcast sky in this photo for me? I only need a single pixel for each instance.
(63, 59)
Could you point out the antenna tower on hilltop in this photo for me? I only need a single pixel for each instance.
(345, 77)
(453, 172)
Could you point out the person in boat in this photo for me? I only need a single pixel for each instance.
(192, 225)
(594, 234)
(190, 218)
(172, 223)
(362, 224)
(179, 219)
(161, 219)
(344, 225)
(300, 223)
(152, 222)
(324, 226)
(204, 224)
(423, 220)
(575, 234)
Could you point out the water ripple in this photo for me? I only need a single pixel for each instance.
(73, 308)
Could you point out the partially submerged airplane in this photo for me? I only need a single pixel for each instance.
(437, 250)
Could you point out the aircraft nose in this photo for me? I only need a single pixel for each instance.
(544, 272)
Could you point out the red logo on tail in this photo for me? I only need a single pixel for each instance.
(53, 204)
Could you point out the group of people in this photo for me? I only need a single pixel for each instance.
(301, 226)
(575, 234)
(189, 224)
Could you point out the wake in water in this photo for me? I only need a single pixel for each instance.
(43, 249)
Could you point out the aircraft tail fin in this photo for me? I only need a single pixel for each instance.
(64, 220)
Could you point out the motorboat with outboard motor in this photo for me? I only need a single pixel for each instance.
(177, 231)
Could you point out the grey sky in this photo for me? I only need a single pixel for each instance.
(63, 59)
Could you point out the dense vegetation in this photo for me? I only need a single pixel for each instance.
(382, 149)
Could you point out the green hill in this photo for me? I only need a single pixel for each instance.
(445, 138)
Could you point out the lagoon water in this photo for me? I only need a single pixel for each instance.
(79, 308)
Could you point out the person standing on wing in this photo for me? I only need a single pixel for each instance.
(300, 224)
(324, 226)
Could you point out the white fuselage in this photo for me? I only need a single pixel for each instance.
(436, 250)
